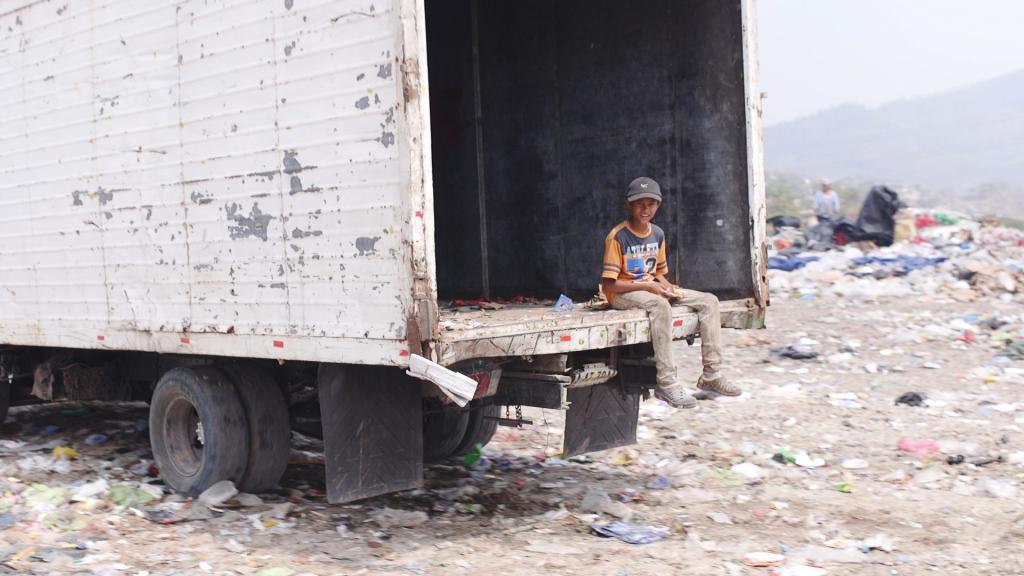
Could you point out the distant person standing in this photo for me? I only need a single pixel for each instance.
(826, 203)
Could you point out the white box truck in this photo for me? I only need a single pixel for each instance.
(254, 214)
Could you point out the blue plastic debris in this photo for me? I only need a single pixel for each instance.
(563, 304)
(789, 263)
(95, 439)
(630, 533)
(902, 263)
(660, 483)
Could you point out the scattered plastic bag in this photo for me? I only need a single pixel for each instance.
(911, 399)
(41, 496)
(130, 495)
(630, 533)
(795, 353)
(95, 439)
(65, 453)
(90, 490)
(919, 447)
(219, 493)
(660, 483)
(392, 518)
(563, 304)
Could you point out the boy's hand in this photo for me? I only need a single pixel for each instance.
(657, 288)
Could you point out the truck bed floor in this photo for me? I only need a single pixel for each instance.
(523, 330)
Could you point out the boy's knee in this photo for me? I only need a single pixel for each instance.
(708, 300)
(708, 297)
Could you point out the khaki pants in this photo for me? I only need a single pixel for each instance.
(660, 313)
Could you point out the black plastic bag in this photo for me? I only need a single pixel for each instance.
(784, 222)
(876, 222)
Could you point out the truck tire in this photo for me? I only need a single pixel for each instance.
(480, 428)
(197, 429)
(443, 433)
(266, 411)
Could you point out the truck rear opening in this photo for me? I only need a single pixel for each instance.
(542, 112)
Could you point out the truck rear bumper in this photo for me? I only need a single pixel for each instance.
(522, 330)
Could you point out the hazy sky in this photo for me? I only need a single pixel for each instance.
(816, 54)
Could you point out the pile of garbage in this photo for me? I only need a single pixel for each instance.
(939, 254)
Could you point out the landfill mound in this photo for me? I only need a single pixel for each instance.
(961, 258)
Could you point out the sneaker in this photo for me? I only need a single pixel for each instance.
(676, 396)
(719, 385)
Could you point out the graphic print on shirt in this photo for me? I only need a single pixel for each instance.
(634, 258)
(641, 259)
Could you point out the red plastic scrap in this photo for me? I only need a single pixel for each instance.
(476, 303)
(926, 221)
(919, 447)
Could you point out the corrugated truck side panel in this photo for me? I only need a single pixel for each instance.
(226, 178)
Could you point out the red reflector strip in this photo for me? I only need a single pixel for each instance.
(483, 383)
(101, 338)
(677, 323)
(566, 338)
(403, 353)
(184, 340)
(278, 344)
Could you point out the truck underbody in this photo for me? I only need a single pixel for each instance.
(217, 418)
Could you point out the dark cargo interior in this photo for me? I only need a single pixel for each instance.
(541, 114)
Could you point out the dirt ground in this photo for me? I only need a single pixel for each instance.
(868, 508)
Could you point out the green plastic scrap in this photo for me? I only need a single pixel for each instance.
(1014, 350)
(65, 521)
(470, 508)
(473, 456)
(42, 495)
(787, 456)
(129, 495)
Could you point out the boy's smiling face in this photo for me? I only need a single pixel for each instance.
(642, 211)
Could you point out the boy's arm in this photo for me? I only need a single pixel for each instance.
(615, 286)
(662, 268)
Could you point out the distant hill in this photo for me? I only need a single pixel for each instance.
(964, 147)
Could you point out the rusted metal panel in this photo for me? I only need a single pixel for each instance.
(755, 155)
(228, 178)
(415, 147)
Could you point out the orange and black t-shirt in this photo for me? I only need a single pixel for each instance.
(631, 256)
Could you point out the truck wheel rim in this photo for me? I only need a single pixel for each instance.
(184, 435)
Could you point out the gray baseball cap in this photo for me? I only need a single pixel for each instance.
(643, 187)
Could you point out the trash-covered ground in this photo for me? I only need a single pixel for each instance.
(955, 257)
(880, 433)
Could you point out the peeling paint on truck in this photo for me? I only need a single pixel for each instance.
(160, 129)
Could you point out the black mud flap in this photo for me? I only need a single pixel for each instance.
(373, 431)
(600, 417)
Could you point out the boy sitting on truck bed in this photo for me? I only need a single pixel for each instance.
(635, 265)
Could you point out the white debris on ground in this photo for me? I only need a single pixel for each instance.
(880, 432)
